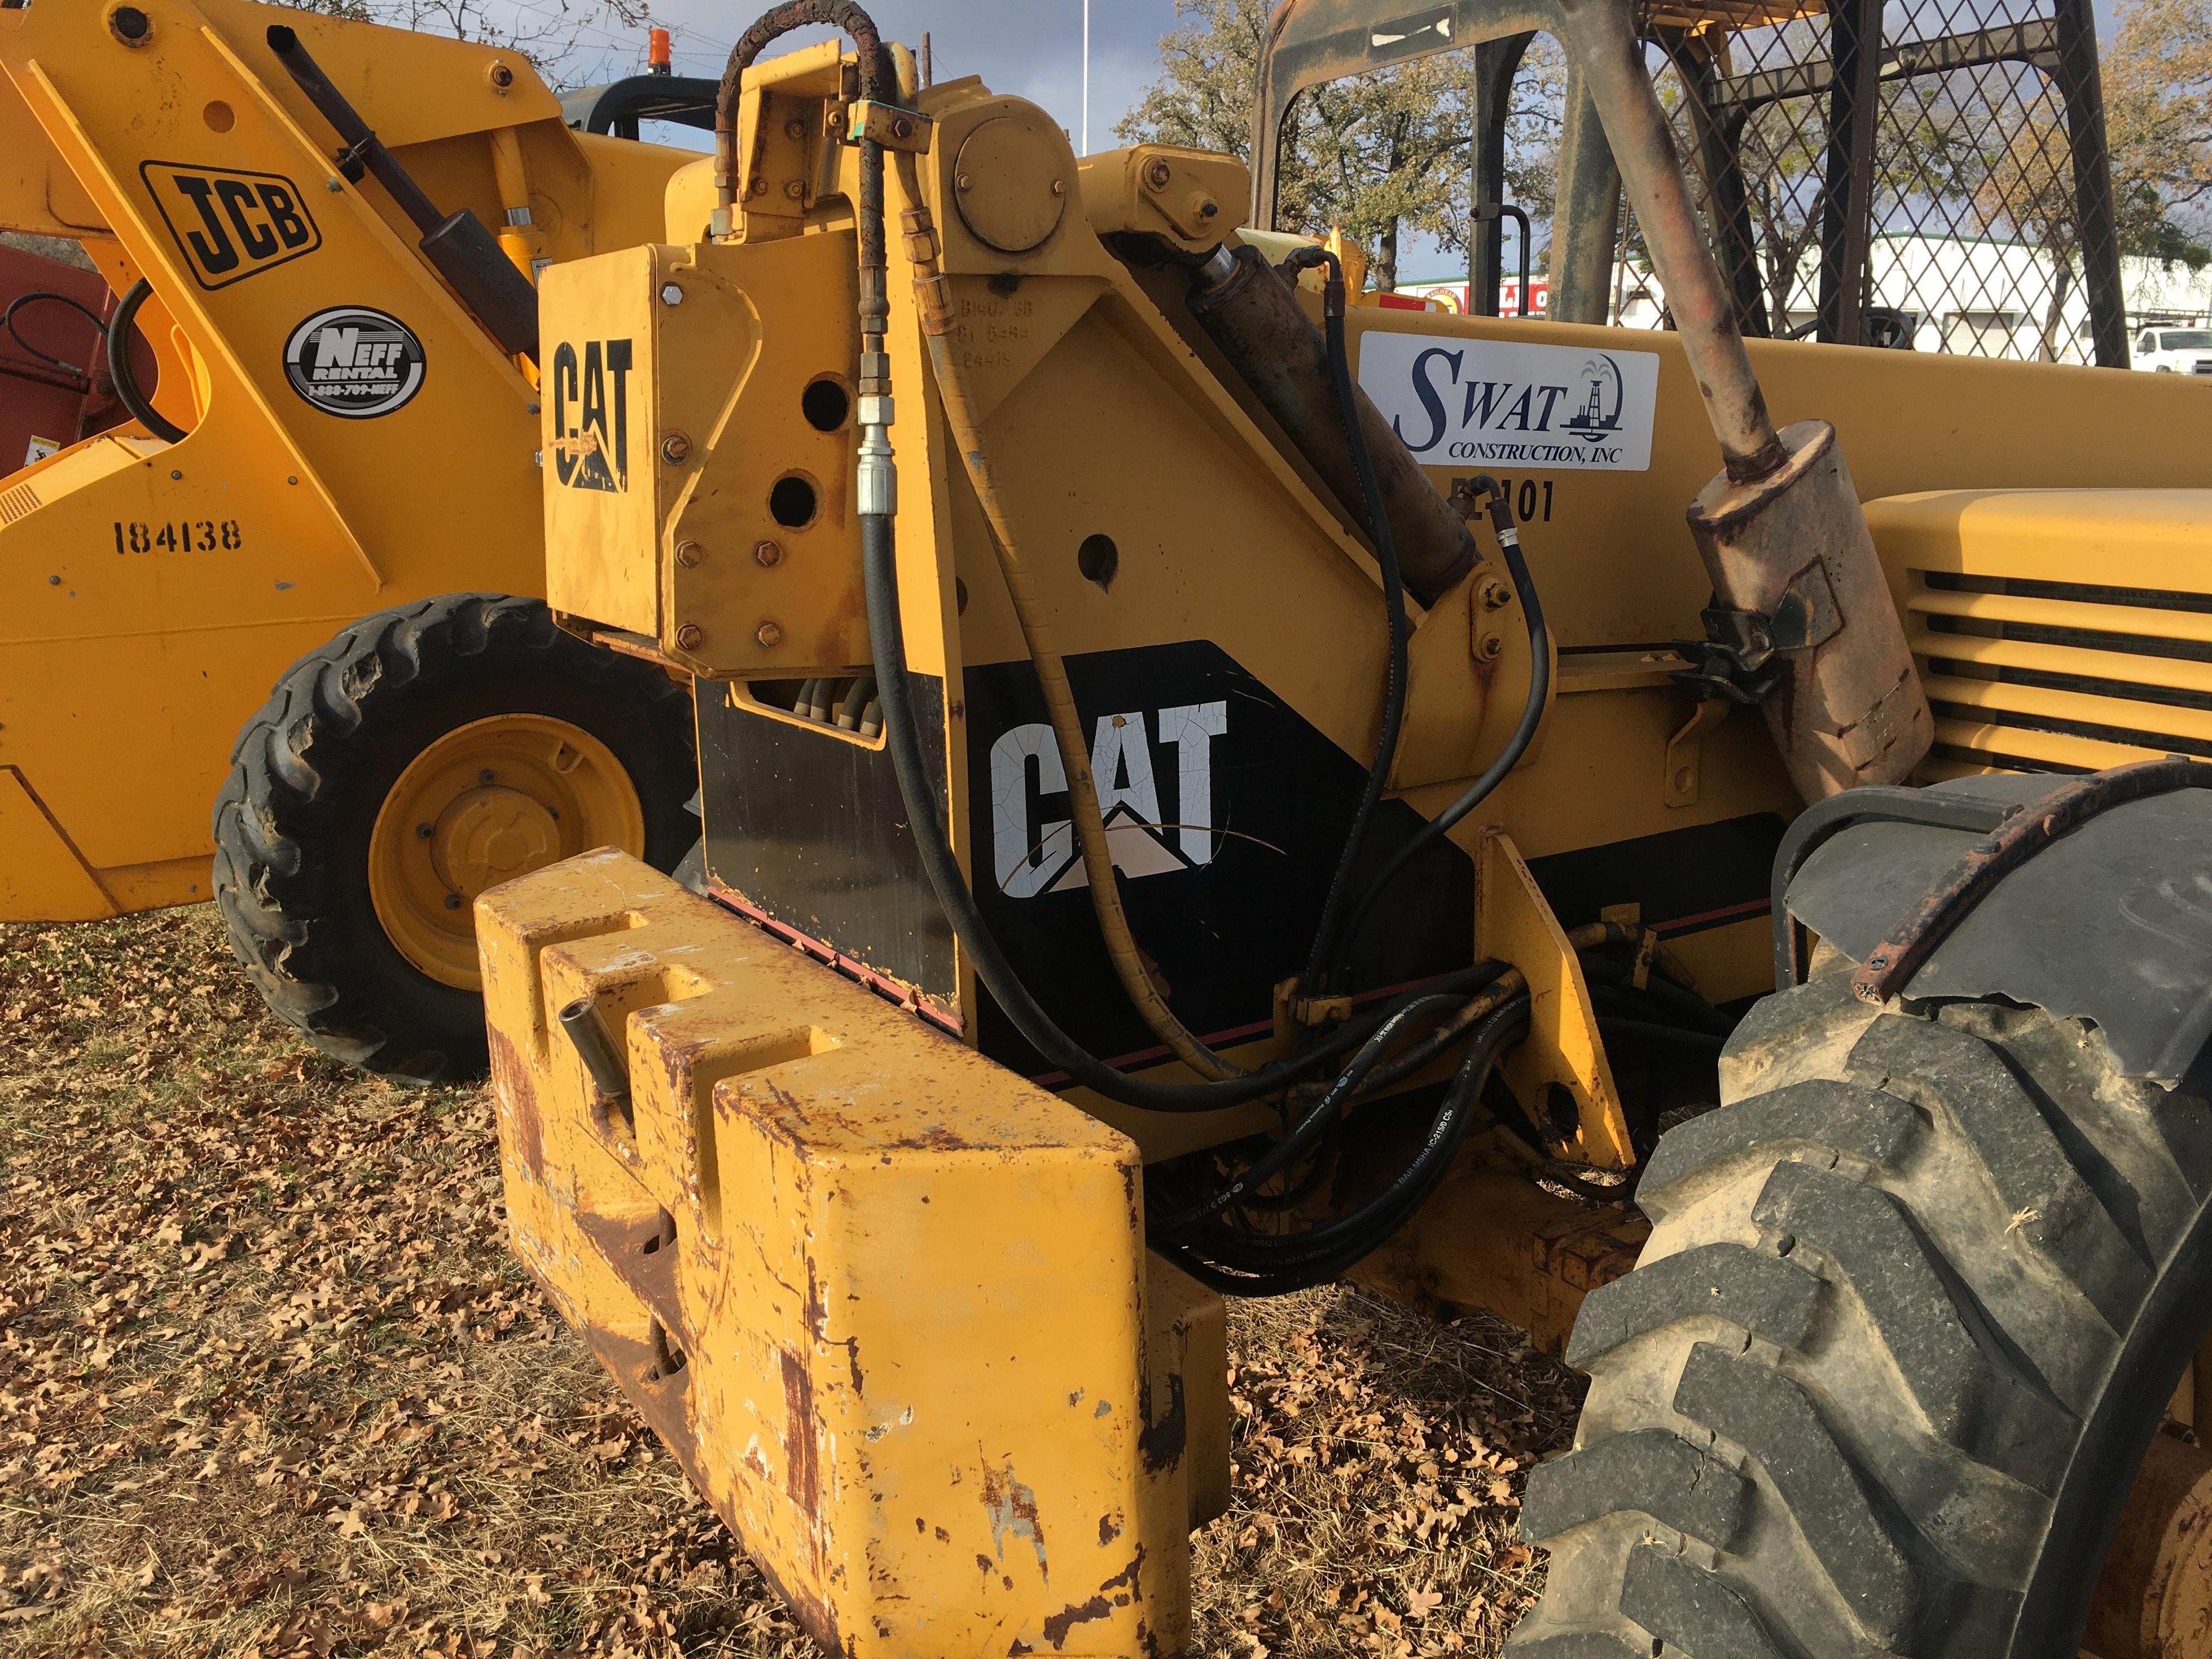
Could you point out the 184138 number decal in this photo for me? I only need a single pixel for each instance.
(181, 535)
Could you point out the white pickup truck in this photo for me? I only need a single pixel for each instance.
(2174, 350)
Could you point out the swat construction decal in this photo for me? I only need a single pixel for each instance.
(1503, 403)
(354, 362)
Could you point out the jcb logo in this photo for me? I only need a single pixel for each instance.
(230, 225)
(591, 415)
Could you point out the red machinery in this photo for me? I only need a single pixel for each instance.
(55, 388)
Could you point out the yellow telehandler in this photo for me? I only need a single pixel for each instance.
(328, 232)
(1251, 790)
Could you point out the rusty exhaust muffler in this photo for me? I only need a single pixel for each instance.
(1780, 530)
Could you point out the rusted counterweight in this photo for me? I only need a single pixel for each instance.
(886, 1302)
(1849, 708)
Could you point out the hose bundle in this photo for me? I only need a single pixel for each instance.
(1227, 1230)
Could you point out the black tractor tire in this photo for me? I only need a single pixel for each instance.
(1915, 1300)
(310, 772)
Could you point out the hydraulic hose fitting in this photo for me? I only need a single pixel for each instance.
(1492, 496)
(878, 474)
(1332, 291)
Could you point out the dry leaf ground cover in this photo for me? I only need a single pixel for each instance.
(270, 1383)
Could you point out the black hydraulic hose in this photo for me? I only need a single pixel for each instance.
(7, 322)
(1670, 1003)
(1532, 712)
(1257, 1264)
(1313, 1127)
(925, 814)
(894, 690)
(1394, 603)
(1677, 1037)
(118, 366)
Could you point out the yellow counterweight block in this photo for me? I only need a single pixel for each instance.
(887, 1301)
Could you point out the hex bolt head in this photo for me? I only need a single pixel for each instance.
(453, 901)
(965, 182)
(690, 636)
(793, 189)
(1207, 209)
(688, 554)
(794, 128)
(902, 128)
(1490, 647)
(1496, 595)
(770, 635)
(766, 554)
(675, 448)
(1158, 173)
(671, 294)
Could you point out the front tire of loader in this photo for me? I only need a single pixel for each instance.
(426, 753)
(1912, 1308)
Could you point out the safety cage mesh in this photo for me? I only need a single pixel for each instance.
(1927, 174)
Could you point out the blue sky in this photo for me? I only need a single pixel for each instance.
(1031, 47)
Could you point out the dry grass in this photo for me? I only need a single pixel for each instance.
(270, 1383)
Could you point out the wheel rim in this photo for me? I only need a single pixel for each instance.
(488, 801)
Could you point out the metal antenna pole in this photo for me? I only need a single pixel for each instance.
(1086, 76)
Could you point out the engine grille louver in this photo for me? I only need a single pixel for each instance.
(2059, 677)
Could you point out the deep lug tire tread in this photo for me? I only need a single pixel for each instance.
(309, 771)
(1908, 1289)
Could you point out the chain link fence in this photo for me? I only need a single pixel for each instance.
(1926, 174)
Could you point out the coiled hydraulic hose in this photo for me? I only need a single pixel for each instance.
(1243, 1262)
(37, 294)
(118, 366)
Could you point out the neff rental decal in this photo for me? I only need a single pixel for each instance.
(1030, 857)
(230, 225)
(1501, 403)
(354, 362)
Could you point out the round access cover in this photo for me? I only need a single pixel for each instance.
(1009, 183)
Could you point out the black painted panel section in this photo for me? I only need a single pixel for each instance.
(1686, 879)
(1233, 876)
(812, 828)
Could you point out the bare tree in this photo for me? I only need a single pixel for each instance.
(566, 41)
(1374, 157)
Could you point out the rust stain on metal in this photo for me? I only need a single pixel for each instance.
(1012, 1508)
(1075, 1612)
(1128, 1577)
(1108, 1530)
(934, 1139)
(801, 1476)
(511, 1083)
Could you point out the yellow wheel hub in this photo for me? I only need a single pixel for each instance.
(488, 801)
